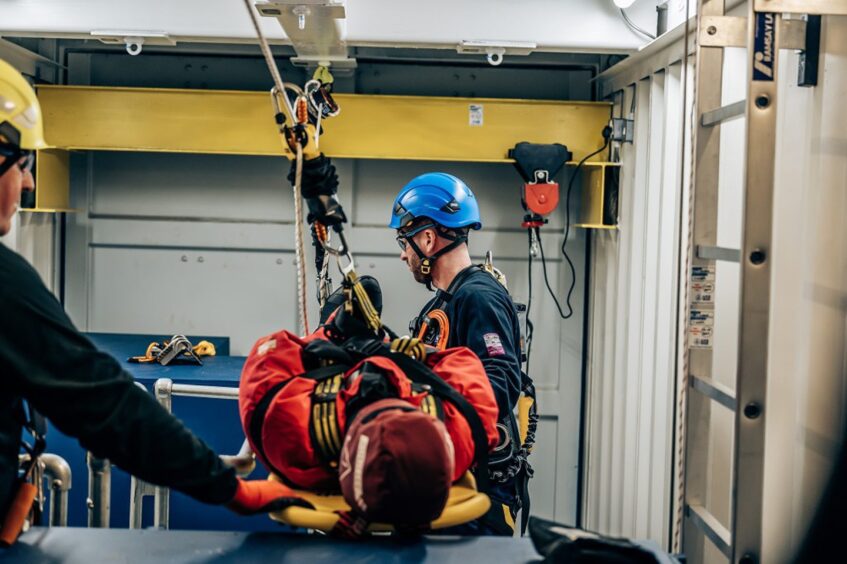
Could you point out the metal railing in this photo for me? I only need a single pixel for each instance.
(244, 462)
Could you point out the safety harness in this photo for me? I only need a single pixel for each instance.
(510, 459)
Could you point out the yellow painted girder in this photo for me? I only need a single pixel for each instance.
(369, 126)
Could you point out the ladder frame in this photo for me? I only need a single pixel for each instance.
(766, 33)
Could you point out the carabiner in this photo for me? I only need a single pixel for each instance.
(342, 250)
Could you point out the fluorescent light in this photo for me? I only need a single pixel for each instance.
(623, 4)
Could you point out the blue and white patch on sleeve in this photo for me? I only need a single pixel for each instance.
(493, 344)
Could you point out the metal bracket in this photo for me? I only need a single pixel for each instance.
(731, 31)
(807, 71)
(623, 130)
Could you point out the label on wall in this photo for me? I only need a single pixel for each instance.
(475, 115)
(701, 322)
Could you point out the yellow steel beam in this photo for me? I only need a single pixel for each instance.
(369, 127)
(52, 181)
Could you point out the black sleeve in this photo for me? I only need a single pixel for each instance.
(486, 324)
(86, 394)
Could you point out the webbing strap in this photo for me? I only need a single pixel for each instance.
(323, 425)
(257, 420)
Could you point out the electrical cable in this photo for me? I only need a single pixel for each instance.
(606, 136)
(631, 25)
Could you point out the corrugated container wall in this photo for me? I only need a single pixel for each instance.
(631, 366)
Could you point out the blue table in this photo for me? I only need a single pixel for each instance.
(214, 421)
(84, 546)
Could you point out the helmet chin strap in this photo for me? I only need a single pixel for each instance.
(427, 262)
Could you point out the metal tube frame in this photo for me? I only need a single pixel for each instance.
(99, 500)
(164, 389)
(57, 472)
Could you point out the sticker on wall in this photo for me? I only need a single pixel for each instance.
(701, 325)
(475, 115)
(702, 274)
(702, 293)
(700, 337)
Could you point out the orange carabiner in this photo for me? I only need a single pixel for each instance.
(443, 325)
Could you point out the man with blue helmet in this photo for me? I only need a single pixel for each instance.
(433, 215)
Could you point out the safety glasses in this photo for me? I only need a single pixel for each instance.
(403, 238)
(16, 156)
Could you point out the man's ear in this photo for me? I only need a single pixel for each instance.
(430, 239)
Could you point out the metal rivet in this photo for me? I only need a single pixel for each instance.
(752, 410)
(758, 256)
(199, 259)
(763, 101)
(279, 261)
(711, 30)
(371, 265)
(184, 258)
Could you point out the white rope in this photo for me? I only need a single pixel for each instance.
(269, 59)
(300, 251)
(682, 386)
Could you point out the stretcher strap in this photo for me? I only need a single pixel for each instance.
(257, 420)
(413, 348)
(323, 425)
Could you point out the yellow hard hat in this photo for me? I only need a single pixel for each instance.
(20, 113)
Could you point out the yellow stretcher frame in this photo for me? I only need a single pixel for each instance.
(464, 504)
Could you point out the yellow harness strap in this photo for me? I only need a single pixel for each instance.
(323, 426)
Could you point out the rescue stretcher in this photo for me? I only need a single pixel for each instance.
(465, 502)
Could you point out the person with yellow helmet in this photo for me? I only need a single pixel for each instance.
(58, 372)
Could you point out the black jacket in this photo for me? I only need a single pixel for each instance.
(86, 394)
(483, 318)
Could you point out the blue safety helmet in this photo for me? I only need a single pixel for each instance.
(441, 197)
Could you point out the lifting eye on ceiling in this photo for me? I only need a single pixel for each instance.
(495, 55)
(133, 45)
(494, 51)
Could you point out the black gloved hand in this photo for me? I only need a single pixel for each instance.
(319, 184)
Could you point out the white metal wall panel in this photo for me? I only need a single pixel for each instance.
(633, 324)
